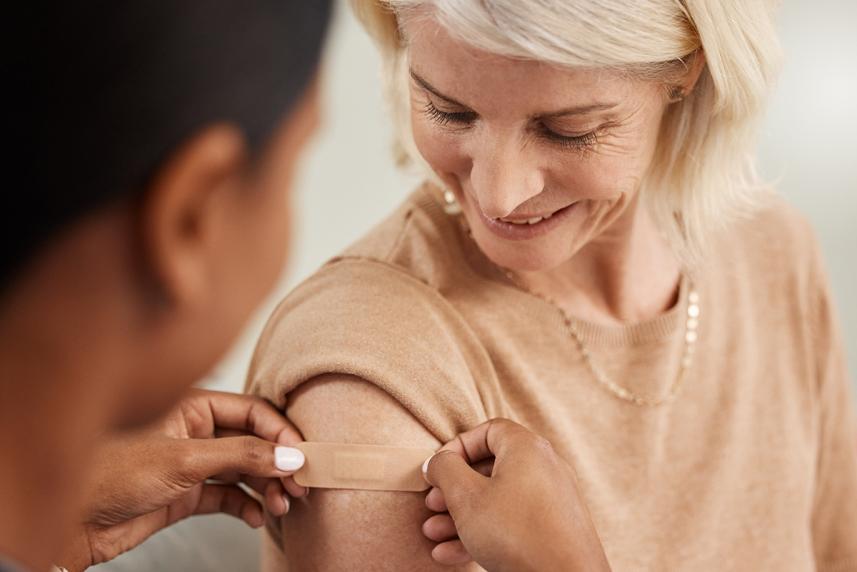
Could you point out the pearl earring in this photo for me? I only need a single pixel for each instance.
(450, 204)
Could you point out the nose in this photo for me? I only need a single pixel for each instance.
(503, 177)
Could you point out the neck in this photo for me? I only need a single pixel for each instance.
(50, 415)
(68, 353)
(59, 370)
(628, 274)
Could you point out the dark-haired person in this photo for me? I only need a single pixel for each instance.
(154, 147)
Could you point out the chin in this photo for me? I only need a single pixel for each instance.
(536, 257)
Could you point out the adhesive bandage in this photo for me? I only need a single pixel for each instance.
(366, 467)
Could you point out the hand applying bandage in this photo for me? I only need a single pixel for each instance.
(521, 512)
(149, 479)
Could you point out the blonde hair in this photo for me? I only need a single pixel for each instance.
(703, 173)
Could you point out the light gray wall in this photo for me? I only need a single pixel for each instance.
(809, 138)
(348, 183)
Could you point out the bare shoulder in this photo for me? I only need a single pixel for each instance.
(355, 530)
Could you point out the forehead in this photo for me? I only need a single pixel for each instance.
(475, 77)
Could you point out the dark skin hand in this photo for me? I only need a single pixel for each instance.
(505, 499)
(150, 479)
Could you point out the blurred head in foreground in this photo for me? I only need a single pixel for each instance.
(155, 144)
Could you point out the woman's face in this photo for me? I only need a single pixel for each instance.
(542, 159)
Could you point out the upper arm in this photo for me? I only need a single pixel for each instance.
(835, 510)
(349, 529)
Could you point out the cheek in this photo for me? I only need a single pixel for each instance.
(442, 151)
(272, 238)
(255, 251)
(617, 167)
(593, 177)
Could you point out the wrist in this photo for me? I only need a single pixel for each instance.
(77, 555)
(579, 553)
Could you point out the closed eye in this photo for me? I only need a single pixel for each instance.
(582, 141)
(444, 118)
(464, 119)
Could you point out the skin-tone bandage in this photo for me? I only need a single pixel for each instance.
(366, 467)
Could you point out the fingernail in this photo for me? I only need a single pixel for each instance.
(288, 458)
(288, 504)
(426, 464)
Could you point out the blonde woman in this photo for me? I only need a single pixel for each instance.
(594, 257)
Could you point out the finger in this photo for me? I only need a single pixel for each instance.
(276, 501)
(440, 527)
(220, 432)
(434, 498)
(248, 413)
(231, 500)
(494, 438)
(258, 484)
(451, 553)
(435, 501)
(294, 490)
(450, 472)
(202, 458)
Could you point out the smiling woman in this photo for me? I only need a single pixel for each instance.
(592, 256)
(700, 166)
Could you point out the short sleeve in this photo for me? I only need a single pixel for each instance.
(834, 525)
(373, 320)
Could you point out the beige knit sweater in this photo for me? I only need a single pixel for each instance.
(752, 467)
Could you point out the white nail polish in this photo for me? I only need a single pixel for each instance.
(288, 458)
(426, 464)
(288, 503)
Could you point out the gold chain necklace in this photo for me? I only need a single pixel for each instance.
(690, 337)
(690, 333)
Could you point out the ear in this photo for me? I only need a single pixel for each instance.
(694, 71)
(179, 211)
(696, 67)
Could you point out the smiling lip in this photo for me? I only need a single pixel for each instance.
(525, 231)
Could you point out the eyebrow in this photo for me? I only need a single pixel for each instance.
(575, 110)
(430, 88)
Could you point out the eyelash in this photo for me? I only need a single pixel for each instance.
(464, 118)
(444, 118)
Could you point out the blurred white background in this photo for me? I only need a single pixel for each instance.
(348, 184)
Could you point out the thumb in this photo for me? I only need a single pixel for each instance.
(448, 471)
(246, 455)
